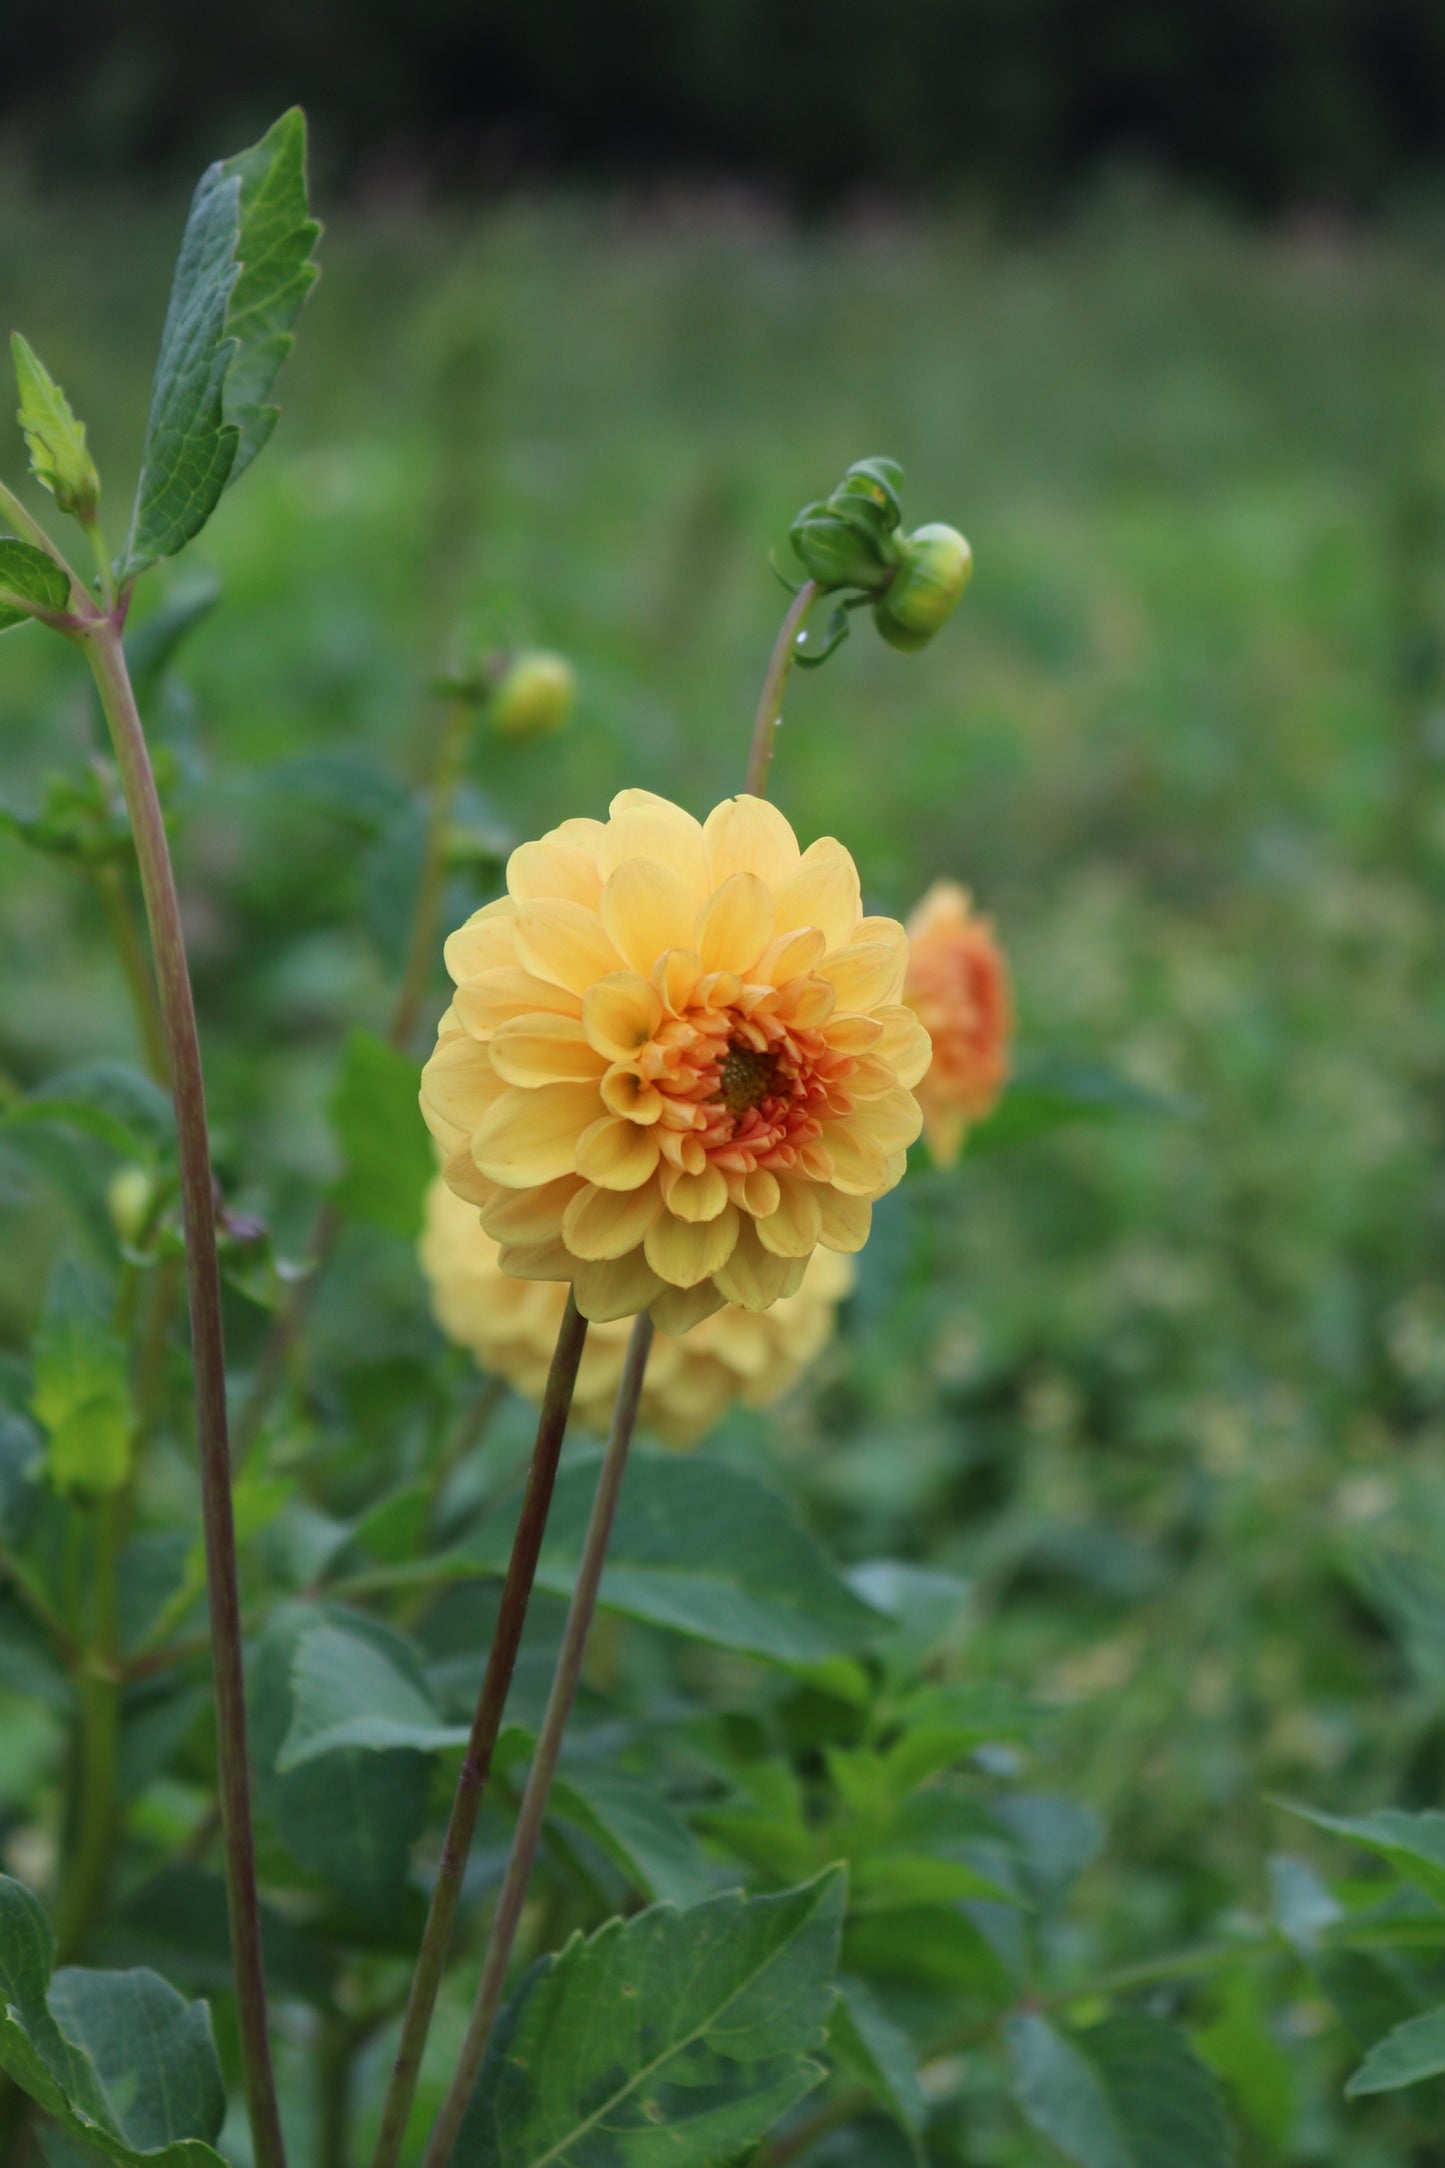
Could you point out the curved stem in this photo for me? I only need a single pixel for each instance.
(770, 703)
(106, 656)
(533, 1809)
(486, 1724)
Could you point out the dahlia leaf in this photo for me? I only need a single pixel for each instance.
(119, 2059)
(637, 1830)
(81, 1392)
(1129, 2093)
(28, 574)
(677, 2037)
(54, 438)
(243, 271)
(707, 1551)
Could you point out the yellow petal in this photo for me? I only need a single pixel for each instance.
(619, 1287)
(823, 892)
(760, 1192)
(747, 835)
(544, 1049)
(564, 942)
(643, 825)
(860, 1166)
(464, 1178)
(459, 1082)
(905, 1045)
(682, 1252)
(617, 1154)
(794, 1228)
(604, 1223)
(536, 1260)
(523, 1216)
(647, 909)
(553, 867)
(791, 954)
(620, 1014)
(845, 1220)
(675, 976)
(853, 1034)
(894, 1119)
(694, 1196)
(753, 1277)
(530, 1137)
(625, 1090)
(586, 834)
(484, 942)
(735, 925)
(864, 974)
(677, 1309)
(490, 999)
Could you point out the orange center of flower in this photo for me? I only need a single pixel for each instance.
(741, 1091)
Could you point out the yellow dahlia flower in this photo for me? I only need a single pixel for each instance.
(511, 1327)
(677, 1060)
(958, 984)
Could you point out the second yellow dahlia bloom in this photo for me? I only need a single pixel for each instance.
(511, 1328)
(959, 985)
(677, 1060)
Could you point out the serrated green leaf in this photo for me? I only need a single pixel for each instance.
(54, 438)
(28, 574)
(872, 2048)
(639, 1832)
(81, 1392)
(1413, 2051)
(1130, 2093)
(120, 2060)
(241, 276)
(705, 1550)
(1414, 1844)
(674, 2038)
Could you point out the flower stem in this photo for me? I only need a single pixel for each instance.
(486, 1724)
(101, 640)
(770, 703)
(549, 1747)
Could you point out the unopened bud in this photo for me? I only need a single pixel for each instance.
(129, 1198)
(847, 539)
(936, 567)
(53, 436)
(534, 696)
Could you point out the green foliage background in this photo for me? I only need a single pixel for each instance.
(1169, 1390)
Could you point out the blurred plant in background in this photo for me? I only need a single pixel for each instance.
(1129, 1439)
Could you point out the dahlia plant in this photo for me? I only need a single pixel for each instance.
(680, 1065)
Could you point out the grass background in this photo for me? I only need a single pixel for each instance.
(1171, 1389)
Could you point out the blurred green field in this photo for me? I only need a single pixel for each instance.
(1167, 1387)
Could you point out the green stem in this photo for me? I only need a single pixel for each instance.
(486, 1724)
(770, 703)
(125, 934)
(533, 1809)
(106, 656)
(31, 528)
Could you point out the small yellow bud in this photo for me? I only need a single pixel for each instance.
(535, 695)
(129, 1196)
(937, 565)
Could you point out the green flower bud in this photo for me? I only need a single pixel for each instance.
(848, 540)
(129, 1197)
(534, 695)
(935, 569)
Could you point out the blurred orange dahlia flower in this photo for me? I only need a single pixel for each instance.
(958, 986)
(677, 1060)
(511, 1325)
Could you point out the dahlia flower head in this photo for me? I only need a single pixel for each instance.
(510, 1326)
(677, 1060)
(958, 986)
